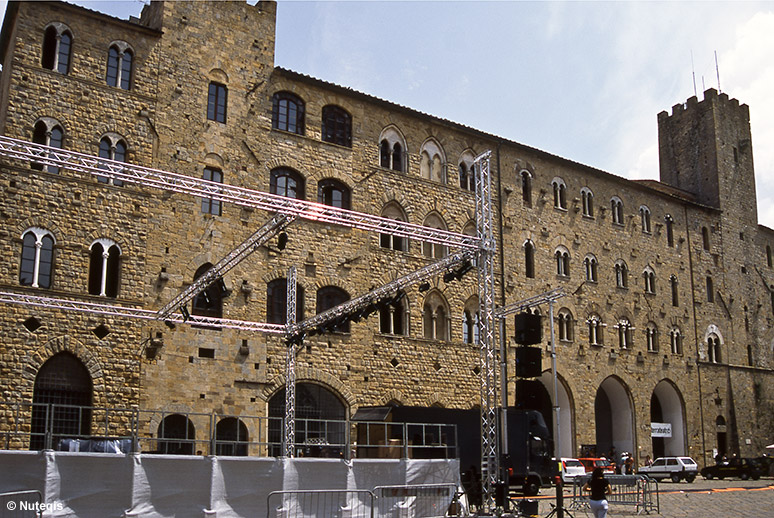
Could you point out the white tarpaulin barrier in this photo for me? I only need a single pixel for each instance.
(100, 485)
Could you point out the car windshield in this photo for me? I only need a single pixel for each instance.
(603, 462)
(687, 460)
(573, 464)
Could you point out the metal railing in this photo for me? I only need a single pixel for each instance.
(39, 426)
(638, 491)
(21, 504)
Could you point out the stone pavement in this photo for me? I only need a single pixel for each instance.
(703, 498)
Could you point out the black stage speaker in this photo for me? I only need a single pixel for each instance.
(528, 329)
(529, 394)
(529, 362)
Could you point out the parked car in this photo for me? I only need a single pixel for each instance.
(571, 468)
(673, 468)
(736, 467)
(592, 462)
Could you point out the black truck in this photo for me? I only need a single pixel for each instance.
(529, 459)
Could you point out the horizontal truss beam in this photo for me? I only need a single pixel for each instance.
(174, 182)
(137, 313)
(537, 300)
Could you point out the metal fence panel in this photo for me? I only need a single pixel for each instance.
(638, 491)
(320, 503)
(416, 501)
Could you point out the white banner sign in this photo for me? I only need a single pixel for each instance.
(661, 429)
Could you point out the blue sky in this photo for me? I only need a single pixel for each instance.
(582, 80)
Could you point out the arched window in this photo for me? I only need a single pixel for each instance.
(587, 202)
(119, 65)
(651, 337)
(526, 187)
(564, 323)
(676, 341)
(333, 193)
(616, 207)
(320, 420)
(277, 302)
(209, 302)
(392, 317)
(670, 230)
(57, 48)
(217, 101)
(231, 437)
(37, 258)
(113, 148)
(705, 240)
(391, 147)
(470, 321)
(287, 182)
(435, 251)
(649, 277)
(336, 126)
(104, 268)
(432, 162)
(61, 401)
(393, 211)
(596, 328)
(466, 172)
(621, 274)
(329, 297)
(560, 193)
(529, 259)
(212, 205)
(673, 285)
(287, 113)
(625, 334)
(177, 435)
(645, 219)
(435, 317)
(590, 264)
(562, 256)
(713, 348)
(48, 133)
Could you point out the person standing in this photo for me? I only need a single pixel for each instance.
(600, 488)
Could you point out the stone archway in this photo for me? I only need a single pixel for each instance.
(666, 406)
(566, 414)
(614, 417)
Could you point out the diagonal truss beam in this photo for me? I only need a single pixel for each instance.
(382, 292)
(218, 270)
(137, 313)
(147, 177)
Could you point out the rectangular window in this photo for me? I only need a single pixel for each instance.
(216, 103)
(210, 205)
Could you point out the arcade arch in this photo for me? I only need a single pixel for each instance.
(666, 406)
(614, 417)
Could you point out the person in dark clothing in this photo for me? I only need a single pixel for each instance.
(600, 488)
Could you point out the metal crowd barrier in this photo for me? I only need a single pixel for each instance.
(328, 503)
(638, 491)
(416, 501)
(404, 501)
(21, 504)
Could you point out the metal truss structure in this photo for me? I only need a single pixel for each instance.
(237, 255)
(289, 437)
(137, 313)
(174, 182)
(490, 458)
(481, 248)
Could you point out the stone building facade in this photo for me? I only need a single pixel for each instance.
(669, 306)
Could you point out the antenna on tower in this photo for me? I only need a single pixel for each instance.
(693, 74)
(717, 70)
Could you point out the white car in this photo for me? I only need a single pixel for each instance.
(674, 468)
(571, 468)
